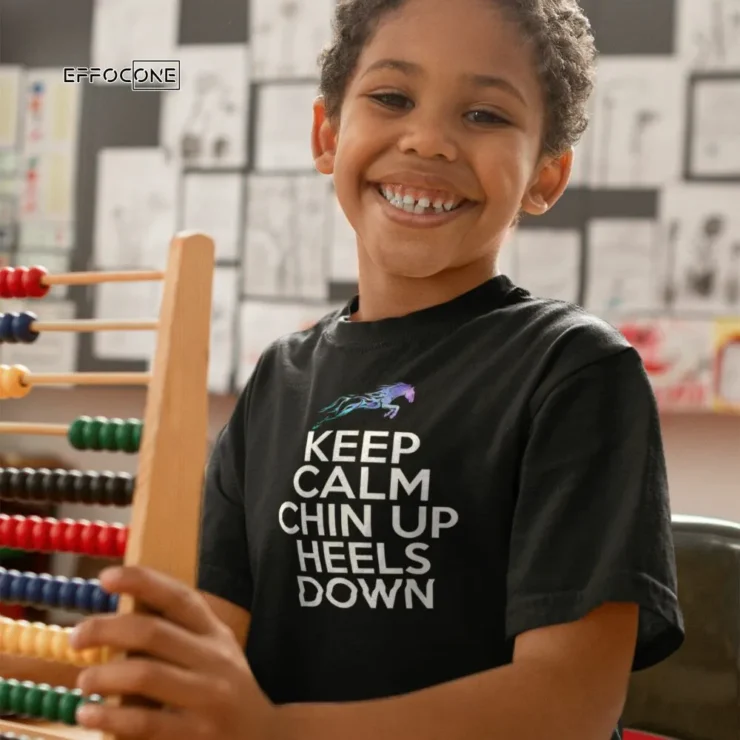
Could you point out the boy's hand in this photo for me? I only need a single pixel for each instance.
(188, 661)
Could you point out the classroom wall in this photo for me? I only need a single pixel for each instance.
(701, 449)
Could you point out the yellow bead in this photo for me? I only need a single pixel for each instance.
(12, 638)
(18, 388)
(4, 621)
(27, 643)
(43, 644)
(59, 643)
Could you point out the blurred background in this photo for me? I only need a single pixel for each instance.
(99, 176)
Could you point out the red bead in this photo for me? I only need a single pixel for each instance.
(89, 539)
(32, 282)
(24, 533)
(106, 544)
(121, 539)
(16, 282)
(16, 522)
(40, 535)
(6, 528)
(5, 273)
(73, 534)
(56, 534)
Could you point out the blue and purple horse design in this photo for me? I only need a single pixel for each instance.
(383, 398)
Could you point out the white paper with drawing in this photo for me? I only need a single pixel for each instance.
(51, 120)
(638, 122)
(262, 322)
(622, 266)
(284, 119)
(715, 145)
(287, 36)
(134, 208)
(709, 33)
(212, 203)
(286, 244)
(11, 86)
(129, 301)
(204, 124)
(127, 30)
(223, 323)
(546, 262)
(703, 224)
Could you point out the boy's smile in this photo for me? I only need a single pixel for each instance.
(438, 145)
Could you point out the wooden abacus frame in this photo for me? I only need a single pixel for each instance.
(173, 451)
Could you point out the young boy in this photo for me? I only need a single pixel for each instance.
(442, 512)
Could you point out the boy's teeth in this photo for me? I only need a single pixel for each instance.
(410, 204)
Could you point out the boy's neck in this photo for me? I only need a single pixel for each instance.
(384, 296)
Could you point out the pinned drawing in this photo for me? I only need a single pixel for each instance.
(622, 266)
(638, 122)
(135, 208)
(287, 36)
(704, 223)
(125, 30)
(205, 123)
(709, 33)
(287, 225)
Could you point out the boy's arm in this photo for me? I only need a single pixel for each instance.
(568, 681)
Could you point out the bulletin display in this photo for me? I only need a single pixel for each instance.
(98, 176)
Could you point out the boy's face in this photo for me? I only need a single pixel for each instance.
(439, 141)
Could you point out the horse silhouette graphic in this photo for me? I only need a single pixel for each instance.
(381, 399)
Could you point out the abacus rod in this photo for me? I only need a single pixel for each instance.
(44, 430)
(88, 325)
(34, 379)
(93, 278)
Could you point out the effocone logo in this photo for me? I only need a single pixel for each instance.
(143, 74)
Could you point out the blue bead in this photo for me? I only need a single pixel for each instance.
(68, 593)
(50, 593)
(6, 584)
(6, 328)
(35, 589)
(113, 602)
(3, 579)
(18, 587)
(83, 598)
(21, 327)
(98, 601)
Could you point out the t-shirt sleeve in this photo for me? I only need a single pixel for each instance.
(592, 519)
(223, 565)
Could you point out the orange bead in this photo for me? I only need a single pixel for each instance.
(12, 381)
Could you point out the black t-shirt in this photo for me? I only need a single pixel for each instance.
(395, 501)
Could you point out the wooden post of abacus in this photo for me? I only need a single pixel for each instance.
(165, 518)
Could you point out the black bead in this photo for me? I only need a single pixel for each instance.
(18, 484)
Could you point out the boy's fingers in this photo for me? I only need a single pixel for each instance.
(132, 723)
(158, 682)
(172, 599)
(140, 633)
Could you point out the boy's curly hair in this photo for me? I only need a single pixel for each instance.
(558, 29)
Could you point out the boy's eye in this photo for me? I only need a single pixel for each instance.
(485, 117)
(392, 100)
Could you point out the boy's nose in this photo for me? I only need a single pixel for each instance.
(429, 139)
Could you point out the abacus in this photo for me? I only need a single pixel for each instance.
(171, 443)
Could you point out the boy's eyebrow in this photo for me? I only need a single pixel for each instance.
(415, 70)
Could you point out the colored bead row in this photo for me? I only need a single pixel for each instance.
(37, 534)
(113, 435)
(66, 486)
(16, 328)
(43, 590)
(13, 381)
(23, 282)
(13, 736)
(46, 642)
(42, 701)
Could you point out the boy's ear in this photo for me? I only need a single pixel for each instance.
(549, 184)
(323, 139)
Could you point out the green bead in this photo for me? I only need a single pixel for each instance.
(128, 436)
(50, 704)
(92, 432)
(136, 433)
(34, 699)
(68, 707)
(5, 687)
(18, 696)
(108, 435)
(76, 432)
